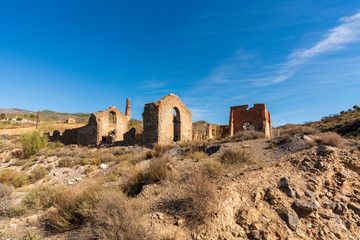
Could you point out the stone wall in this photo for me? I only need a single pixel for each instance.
(105, 126)
(166, 121)
(256, 118)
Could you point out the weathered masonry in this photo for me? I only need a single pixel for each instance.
(106, 126)
(166, 121)
(256, 118)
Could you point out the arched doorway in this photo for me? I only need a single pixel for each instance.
(177, 124)
(248, 127)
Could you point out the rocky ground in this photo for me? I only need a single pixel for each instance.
(289, 190)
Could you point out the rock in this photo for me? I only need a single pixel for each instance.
(309, 193)
(355, 207)
(326, 213)
(327, 203)
(174, 152)
(305, 207)
(340, 208)
(70, 182)
(347, 188)
(284, 183)
(256, 197)
(272, 195)
(338, 219)
(325, 150)
(103, 166)
(247, 216)
(291, 220)
(212, 149)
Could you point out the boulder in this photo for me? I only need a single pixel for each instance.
(291, 219)
(305, 207)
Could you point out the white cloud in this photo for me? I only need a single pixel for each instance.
(335, 39)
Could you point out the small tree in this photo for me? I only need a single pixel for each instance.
(2, 116)
(356, 108)
(33, 142)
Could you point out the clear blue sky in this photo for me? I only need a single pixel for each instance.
(300, 58)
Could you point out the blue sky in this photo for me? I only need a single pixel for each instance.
(300, 58)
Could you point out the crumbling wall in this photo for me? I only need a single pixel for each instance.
(105, 126)
(256, 118)
(162, 126)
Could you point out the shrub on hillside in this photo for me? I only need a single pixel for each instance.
(200, 200)
(289, 130)
(197, 155)
(38, 173)
(211, 167)
(72, 207)
(134, 182)
(330, 138)
(16, 178)
(33, 142)
(5, 190)
(157, 170)
(243, 136)
(231, 156)
(116, 217)
(39, 197)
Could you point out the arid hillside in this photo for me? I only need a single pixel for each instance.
(302, 185)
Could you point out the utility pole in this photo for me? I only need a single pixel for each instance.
(37, 120)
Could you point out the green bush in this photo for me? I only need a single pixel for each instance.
(33, 142)
(55, 145)
(2, 116)
(10, 176)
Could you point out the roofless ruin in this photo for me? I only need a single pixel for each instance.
(165, 121)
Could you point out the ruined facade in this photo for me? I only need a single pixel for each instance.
(166, 121)
(104, 127)
(256, 118)
(71, 120)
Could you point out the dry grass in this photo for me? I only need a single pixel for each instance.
(197, 155)
(5, 190)
(212, 168)
(134, 182)
(200, 200)
(39, 197)
(157, 170)
(289, 130)
(16, 178)
(71, 207)
(331, 139)
(38, 173)
(243, 136)
(231, 156)
(116, 217)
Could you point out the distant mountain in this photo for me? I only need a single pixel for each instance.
(15, 111)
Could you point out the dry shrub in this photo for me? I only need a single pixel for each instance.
(157, 170)
(67, 162)
(71, 207)
(134, 182)
(211, 167)
(161, 149)
(39, 197)
(38, 173)
(200, 200)
(5, 190)
(289, 130)
(116, 217)
(16, 178)
(197, 155)
(231, 156)
(107, 157)
(331, 139)
(243, 136)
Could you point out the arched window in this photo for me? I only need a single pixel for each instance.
(112, 118)
(177, 124)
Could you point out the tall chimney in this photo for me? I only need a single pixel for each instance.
(127, 110)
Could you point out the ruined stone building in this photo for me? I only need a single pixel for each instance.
(106, 126)
(256, 118)
(166, 121)
(71, 120)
